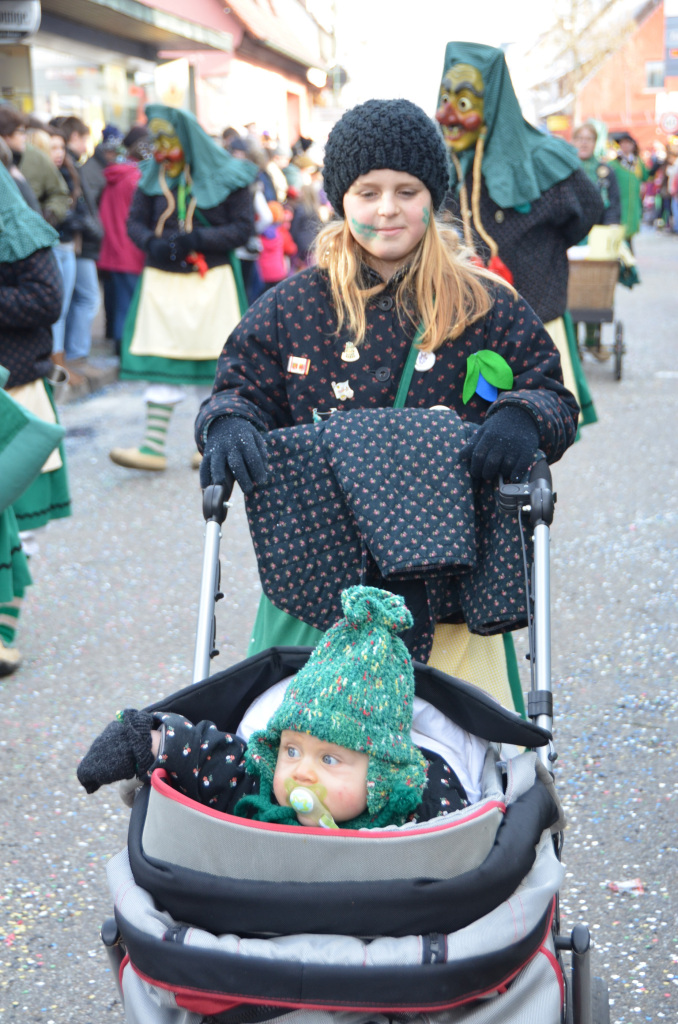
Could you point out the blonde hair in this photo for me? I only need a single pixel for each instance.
(39, 138)
(442, 288)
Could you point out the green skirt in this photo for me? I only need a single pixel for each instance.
(588, 412)
(48, 497)
(14, 574)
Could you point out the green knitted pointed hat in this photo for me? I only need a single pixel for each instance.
(357, 690)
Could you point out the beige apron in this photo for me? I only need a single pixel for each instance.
(185, 316)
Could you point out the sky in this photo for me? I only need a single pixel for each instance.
(394, 48)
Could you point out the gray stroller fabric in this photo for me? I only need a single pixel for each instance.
(512, 920)
(534, 996)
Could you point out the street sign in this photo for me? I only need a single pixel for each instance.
(668, 123)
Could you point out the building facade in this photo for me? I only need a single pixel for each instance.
(254, 61)
(629, 91)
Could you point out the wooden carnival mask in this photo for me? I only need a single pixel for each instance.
(167, 149)
(460, 110)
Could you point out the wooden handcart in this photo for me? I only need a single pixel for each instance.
(590, 300)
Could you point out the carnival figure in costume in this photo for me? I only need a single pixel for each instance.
(522, 196)
(31, 294)
(192, 209)
(630, 172)
(589, 148)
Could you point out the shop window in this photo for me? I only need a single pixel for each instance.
(654, 74)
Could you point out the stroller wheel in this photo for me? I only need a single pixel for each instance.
(600, 1002)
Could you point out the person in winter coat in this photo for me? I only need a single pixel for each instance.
(94, 180)
(389, 279)
(522, 196)
(306, 222)
(44, 178)
(631, 173)
(13, 135)
(7, 159)
(192, 208)
(585, 138)
(84, 301)
(119, 258)
(278, 247)
(30, 301)
(330, 755)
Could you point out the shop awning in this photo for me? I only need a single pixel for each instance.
(271, 29)
(129, 19)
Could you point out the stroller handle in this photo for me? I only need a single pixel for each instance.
(215, 508)
(535, 500)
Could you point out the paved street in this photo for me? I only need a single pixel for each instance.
(110, 622)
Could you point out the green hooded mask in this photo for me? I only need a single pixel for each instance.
(519, 162)
(215, 173)
(22, 230)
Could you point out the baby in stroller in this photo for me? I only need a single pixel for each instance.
(432, 900)
(337, 751)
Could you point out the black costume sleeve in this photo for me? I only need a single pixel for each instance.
(231, 223)
(139, 220)
(612, 214)
(578, 207)
(34, 299)
(202, 762)
(513, 330)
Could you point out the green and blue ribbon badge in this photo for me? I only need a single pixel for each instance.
(486, 374)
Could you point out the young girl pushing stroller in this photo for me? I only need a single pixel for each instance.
(390, 283)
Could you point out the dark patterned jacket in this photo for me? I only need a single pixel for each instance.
(31, 293)
(207, 765)
(255, 376)
(534, 244)
(383, 492)
(230, 225)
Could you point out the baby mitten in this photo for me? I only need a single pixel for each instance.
(122, 751)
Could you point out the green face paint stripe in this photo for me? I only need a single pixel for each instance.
(363, 229)
(427, 215)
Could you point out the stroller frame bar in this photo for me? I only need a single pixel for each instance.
(215, 509)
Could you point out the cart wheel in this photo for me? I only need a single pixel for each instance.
(618, 349)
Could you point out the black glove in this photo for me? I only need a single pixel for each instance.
(159, 250)
(186, 243)
(506, 443)
(234, 444)
(122, 751)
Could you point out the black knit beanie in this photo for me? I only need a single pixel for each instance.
(395, 135)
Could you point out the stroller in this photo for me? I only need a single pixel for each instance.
(222, 920)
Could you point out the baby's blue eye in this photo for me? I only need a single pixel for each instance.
(330, 759)
(292, 752)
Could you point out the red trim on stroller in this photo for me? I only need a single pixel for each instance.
(161, 785)
(558, 972)
(123, 964)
